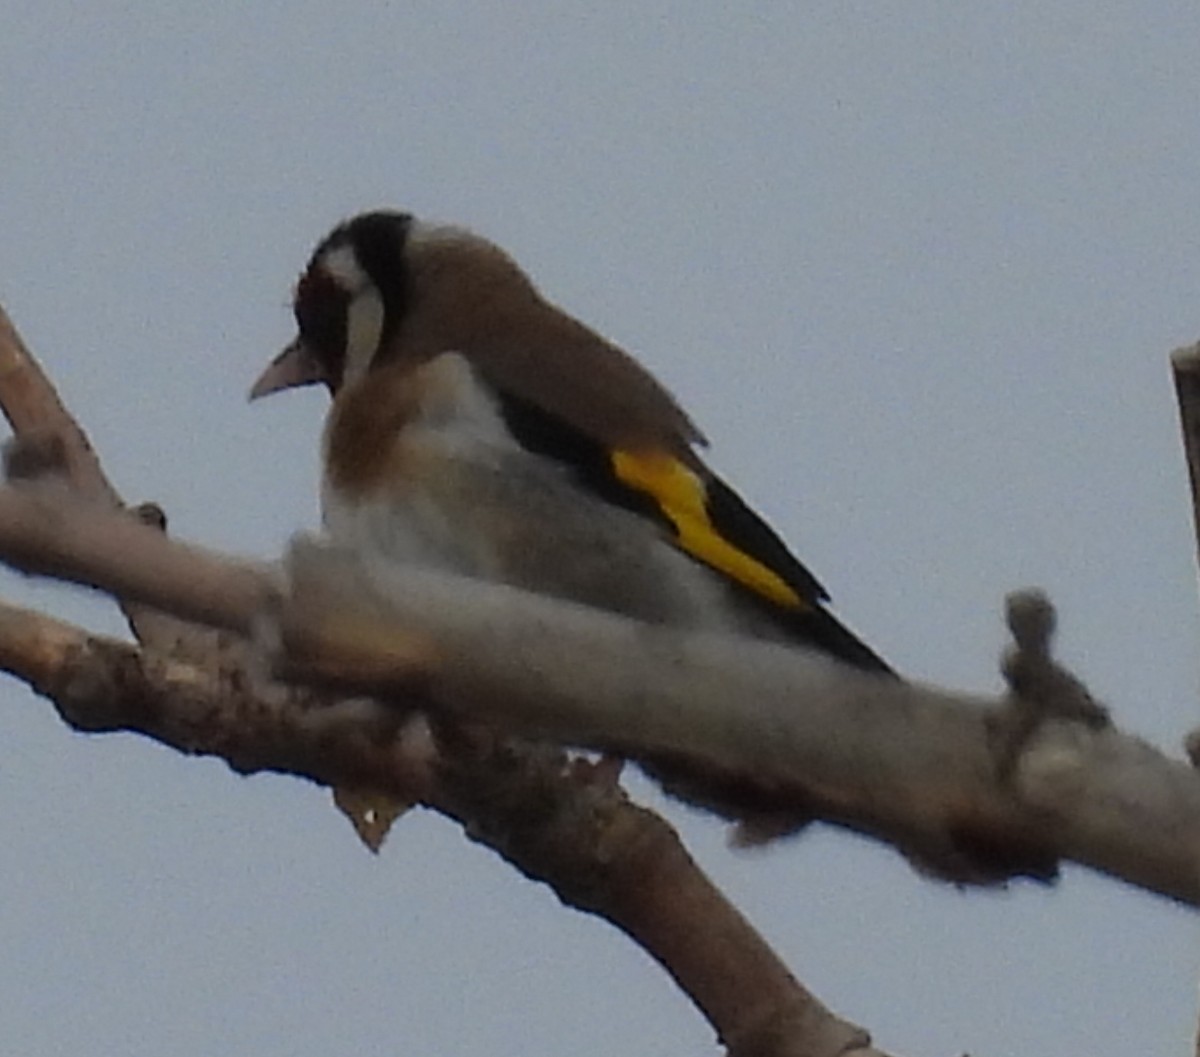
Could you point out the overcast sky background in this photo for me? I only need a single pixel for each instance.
(916, 269)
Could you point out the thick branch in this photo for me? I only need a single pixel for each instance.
(48, 531)
(551, 819)
(912, 765)
(35, 412)
(201, 701)
(32, 407)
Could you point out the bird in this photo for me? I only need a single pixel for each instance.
(479, 428)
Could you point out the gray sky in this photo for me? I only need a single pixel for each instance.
(916, 268)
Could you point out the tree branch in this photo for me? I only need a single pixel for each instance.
(33, 408)
(557, 821)
(908, 764)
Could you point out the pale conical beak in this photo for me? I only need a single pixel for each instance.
(293, 367)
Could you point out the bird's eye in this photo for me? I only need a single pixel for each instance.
(321, 306)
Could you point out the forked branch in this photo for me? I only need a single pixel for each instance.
(558, 821)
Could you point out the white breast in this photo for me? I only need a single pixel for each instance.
(456, 429)
(478, 504)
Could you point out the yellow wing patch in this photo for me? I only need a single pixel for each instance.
(681, 496)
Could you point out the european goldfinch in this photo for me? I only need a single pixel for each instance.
(479, 428)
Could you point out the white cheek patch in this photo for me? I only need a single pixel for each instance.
(364, 328)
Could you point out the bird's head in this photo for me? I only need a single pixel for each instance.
(385, 290)
(384, 287)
